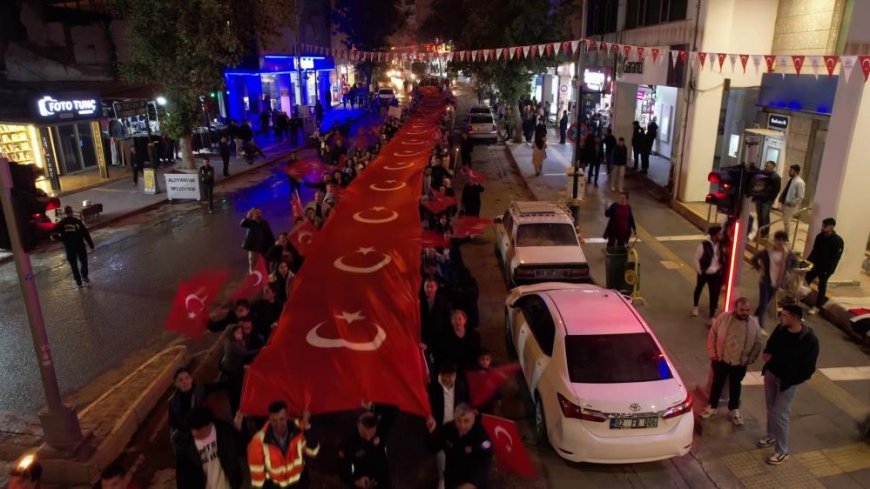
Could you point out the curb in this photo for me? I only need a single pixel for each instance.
(513, 160)
(86, 468)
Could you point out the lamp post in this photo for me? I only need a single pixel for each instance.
(574, 205)
(60, 423)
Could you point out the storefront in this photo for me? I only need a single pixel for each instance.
(276, 86)
(597, 97)
(60, 134)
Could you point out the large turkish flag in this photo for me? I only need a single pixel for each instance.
(351, 329)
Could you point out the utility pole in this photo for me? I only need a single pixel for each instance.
(60, 423)
(574, 204)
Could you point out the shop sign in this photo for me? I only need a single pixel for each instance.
(182, 186)
(130, 108)
(69, 106)
(635, 67)
(777, 121)
(594, 81)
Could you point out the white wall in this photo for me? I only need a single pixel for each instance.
(728, 26)
(666, 103)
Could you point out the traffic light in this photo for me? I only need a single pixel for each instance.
(728, 198)
(29, 206)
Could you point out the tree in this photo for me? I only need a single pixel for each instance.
(183, 46)
(367, 25)
(443, 23)
(492, 24)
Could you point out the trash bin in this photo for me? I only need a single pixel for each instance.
(615, 261)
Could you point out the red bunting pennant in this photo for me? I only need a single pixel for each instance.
(615, 48)
(640, 52)
(626, 51)
(566, 48)
(702, 57)
(744, 58)
(770, 59)
(721, 58)
(798, 61)
(655, 54)
(603, 46)
(865, 66)
(831, 64)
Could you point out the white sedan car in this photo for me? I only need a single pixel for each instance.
(603, 388)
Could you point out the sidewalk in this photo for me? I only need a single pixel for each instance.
(830, 409)
(552, 185)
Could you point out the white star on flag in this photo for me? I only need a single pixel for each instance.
(350, 317)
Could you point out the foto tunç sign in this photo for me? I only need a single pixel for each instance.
(67, 106)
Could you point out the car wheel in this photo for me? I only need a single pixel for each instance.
(540, 422)
(508, 337)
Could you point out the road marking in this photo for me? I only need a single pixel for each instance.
(686, 271)
(687, 237)
(833, 374)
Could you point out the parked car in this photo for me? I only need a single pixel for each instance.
(481, 127)
(386, 95)
(537, 242)
(603, 388)
(480, 110)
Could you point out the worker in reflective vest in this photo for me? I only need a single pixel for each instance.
(276, 454)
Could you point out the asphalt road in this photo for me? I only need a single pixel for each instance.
(134, 271)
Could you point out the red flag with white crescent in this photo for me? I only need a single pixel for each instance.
(483, 384)
(190, 308)
(744, 58)
(770, 59)
(254, 281)
(336, 343)
(702, 57)
(831, 64)
(433, 239)
(798, 62)
(511, 456)
(469, 226)
(302, 235)
(865, 66)
(720, 57)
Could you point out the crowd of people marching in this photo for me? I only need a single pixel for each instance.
(208, 450)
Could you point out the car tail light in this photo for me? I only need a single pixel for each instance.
(524, 273)
(679, 408)
(571, 410)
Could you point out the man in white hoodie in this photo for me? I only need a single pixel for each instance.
(733, 343)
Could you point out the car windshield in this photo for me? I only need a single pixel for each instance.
(615, 359)
(546, 234)
(481, 119)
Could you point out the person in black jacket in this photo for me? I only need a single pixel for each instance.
(74, 234)
(186, 396)
(471, 198)
(827, 250)
(259, 237)
(466, 147)
(764, 203)
(434, 314)
(637, 142)
(459, 344)
(206, 179)
(362, 456)
(563, 127)
(209, 455)
(789, 360)
(467, 449)
(224, 150)
(445, 393)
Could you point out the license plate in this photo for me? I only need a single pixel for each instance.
(633, 423)
(547, 274)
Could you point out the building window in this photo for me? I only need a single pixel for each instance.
(601, 16)
(642, 13)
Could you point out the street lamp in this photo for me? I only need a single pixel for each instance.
(161, 100)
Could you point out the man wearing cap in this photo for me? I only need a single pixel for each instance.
(363, 456)
(789, 360)
(73, 233)
(827, 250)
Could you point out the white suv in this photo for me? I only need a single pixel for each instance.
(536, 242)
(604, 391)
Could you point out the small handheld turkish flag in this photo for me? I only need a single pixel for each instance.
(469, 226)
(434, 239)
(483, 384)
(189, 314)
(296, 208)
(254, 281)
(510, 454)
(302, 235)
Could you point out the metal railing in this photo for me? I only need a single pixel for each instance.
(797, 213)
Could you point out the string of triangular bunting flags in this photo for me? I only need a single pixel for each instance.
(821, 64)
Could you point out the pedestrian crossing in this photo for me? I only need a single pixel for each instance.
(836, 374)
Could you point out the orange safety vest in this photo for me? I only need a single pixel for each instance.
(267, 462)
